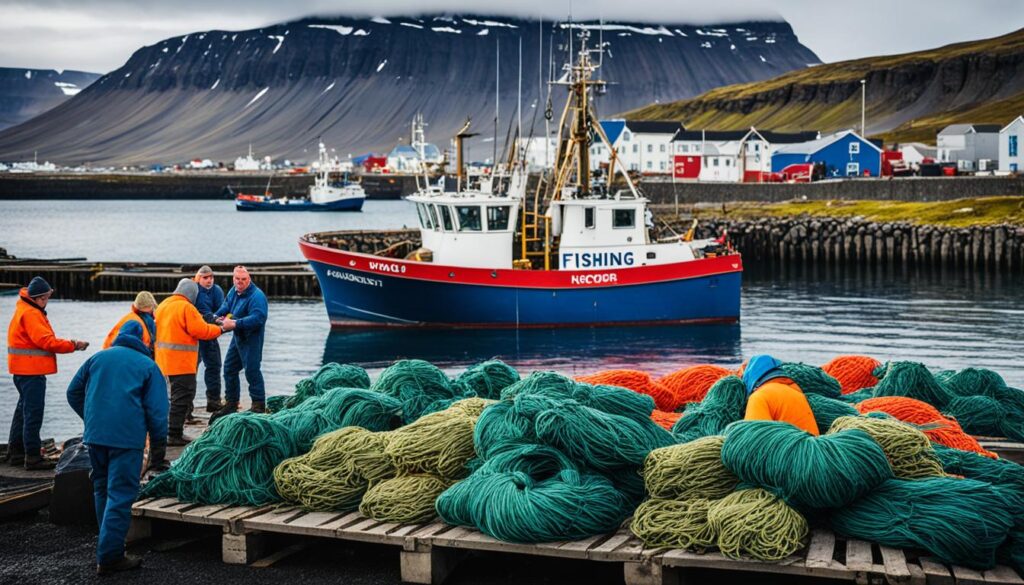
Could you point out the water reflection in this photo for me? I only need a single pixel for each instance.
(569, 350)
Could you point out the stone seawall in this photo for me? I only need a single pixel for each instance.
(831, 241)
(903, 189)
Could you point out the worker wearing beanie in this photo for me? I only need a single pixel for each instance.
(31, 356)
(210, 298)
(248, 305)
(773, 396)
(121, 395)
(141, 311)
(179, 327)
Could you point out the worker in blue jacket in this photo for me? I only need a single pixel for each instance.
(121, 395)
(209, 299)
(247, 305)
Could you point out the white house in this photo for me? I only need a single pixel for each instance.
(713, 155)
(1011, 138)
(914, 153)
(539, 153)
(967, 144)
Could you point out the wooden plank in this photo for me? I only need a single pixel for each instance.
(821, 551)
(272, 520)
(917, 576)
(404, 531)
(629, 551)
(858, 556)
(895, 563)
(430, 530)
(1002, 574)
(935, 572)
(344, 522)
(315, 520)
(360, 526)
(965, 576)
(793, 565)
(603, 551)
(205, 515)
(579, 548)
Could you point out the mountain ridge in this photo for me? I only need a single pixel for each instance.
(358, 83)
(26, 93)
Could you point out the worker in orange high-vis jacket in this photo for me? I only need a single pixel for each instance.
(142, 311)
(31, 356)
(179, 328)
(773, 396)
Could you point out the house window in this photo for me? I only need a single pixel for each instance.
(650, 148)
(852, 169)
(716, 161)
(705, 162)
(728, 162)
(446, 217)
(696, 148)
(588, 218)
(649, 165)
(636, 148)
(469, 218)
(662, 165)
(497, 218)
(1013, 146)
(625, 136)
(662, 148)
(855, 148)
(684, 148)
(623, 218)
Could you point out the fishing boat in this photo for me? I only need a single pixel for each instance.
(575, 252)
(326, 194)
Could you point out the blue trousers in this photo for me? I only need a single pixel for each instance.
(209, 356)
(247, 355)
(115, 485)
(28, 414)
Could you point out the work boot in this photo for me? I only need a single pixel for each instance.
(177, 440)
(228, 408)
(127, 563)
(214, 405)
(38, 463)
(258, 406)
(16, 456)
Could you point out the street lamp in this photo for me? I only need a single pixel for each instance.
(863, 92)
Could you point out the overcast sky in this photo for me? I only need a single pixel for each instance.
(100, 35)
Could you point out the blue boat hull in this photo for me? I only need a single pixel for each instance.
(353, 204)
(356, 298)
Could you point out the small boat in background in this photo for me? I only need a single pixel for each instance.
(326, 194)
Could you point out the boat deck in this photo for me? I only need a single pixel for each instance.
(429, 552)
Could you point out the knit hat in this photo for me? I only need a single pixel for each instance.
(759, 370)
(188, 289)
(38, 287)
(144, 300)
(203, 270)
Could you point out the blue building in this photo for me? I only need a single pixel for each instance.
(845, 154)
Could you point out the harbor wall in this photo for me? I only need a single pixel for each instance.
(897, 189)
(830, 241)
(211, 185)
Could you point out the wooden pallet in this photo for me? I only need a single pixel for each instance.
(429, 552)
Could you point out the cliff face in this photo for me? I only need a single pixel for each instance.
(909, 97)
(25, 93)
(359, 82)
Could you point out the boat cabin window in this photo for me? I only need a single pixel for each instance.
(446, 218)
(469, 218)
(497, 217)
(588, 218)
(434, 224)
(623, 218)
(421, 209)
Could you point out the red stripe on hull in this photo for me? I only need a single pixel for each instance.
(542, 279)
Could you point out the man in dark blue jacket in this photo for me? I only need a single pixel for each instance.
(121, 395)
(247, 305)
(209, 299)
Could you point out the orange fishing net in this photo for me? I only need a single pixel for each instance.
(692, 384)
(938, 428)
(636, 381)
(853, 371)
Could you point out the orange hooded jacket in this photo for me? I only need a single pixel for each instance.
(131, 316)
(179, 327)
(31, 343)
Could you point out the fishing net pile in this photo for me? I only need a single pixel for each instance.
(234, 461)
(559, 459)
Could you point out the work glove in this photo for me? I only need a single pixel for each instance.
(158, 456)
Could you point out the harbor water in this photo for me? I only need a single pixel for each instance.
(943, 319)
